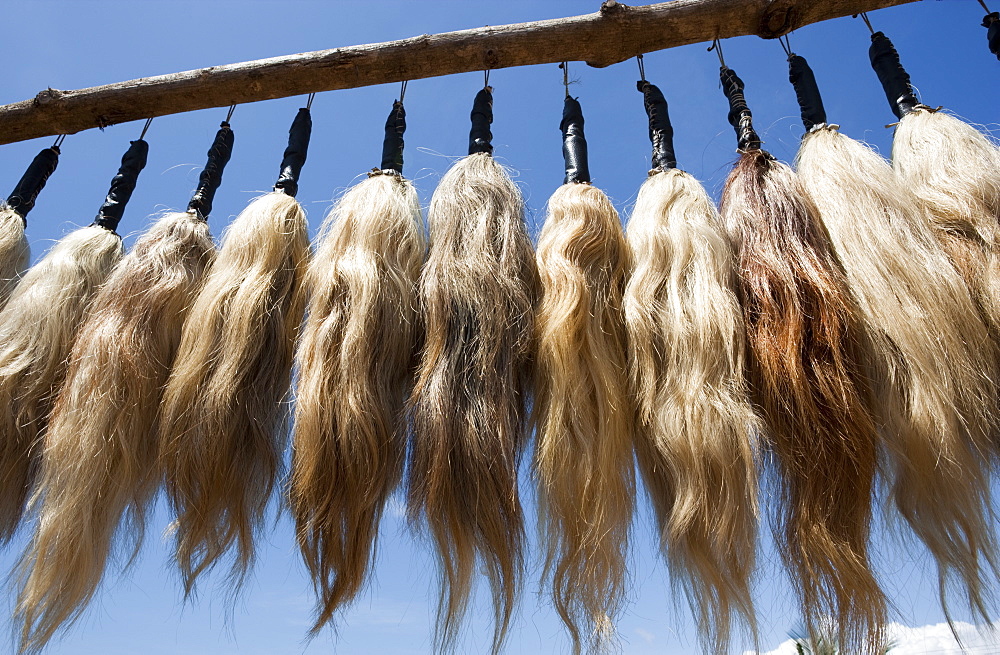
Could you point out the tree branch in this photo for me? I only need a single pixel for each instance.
(614, 34)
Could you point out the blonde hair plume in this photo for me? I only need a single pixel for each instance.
(584, 414)
(697, 444)
(937, 360)
(37, 326)
(14, 251)
(477, 293)
(223, 416)
(99, 472)
(355, 365)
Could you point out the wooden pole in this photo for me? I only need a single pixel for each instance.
(615, 33)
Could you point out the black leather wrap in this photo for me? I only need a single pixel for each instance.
(739, 113)
(22, 198)
(480, 137)
(122, 186)
(661, 132)
(895, 81)
(211, 176)
(992, 24)
(574, 146)
(392, 144)
(806, 91)
(295, 153)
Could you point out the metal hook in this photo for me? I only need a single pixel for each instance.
(402, 90)
(642, 68)
(565, 69)
(59, 141)
(864, 17)
(230, 114)
(786, 45)
(145, 127)
(717, 46)
(309, 101)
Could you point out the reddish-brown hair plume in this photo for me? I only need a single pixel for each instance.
(99, 470)
(355, 370)
(808, 353)
(477, 294)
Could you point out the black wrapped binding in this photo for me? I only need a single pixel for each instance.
(574, 142)
(480, 137)
(122, 186)
(739, 113)
(661, 133)
(22, 198)
(211, 176)
(295, 153)
(392, 144)
(992, 24)
(806, 91)
(895, 81)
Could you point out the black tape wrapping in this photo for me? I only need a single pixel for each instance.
(295, 153)
(122, 186)
(574, 145)
(392, 144)
(806, 91)
(22, 198)
(480, 137)
(992, 24)
(894, 78)
(739, 113)
(211, 176)
(661, 132)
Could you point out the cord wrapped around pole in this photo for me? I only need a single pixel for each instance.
(122, 186)
(574, 142)
(739, 113)
(661, 132)
(295, 154)
(480, 137)
(211, 176)
(806, 91)
(894, 78)
(22, 198)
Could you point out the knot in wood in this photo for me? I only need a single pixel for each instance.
(612, 8)
(47, 96)
(779, 18)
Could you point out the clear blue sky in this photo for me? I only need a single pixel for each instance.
(67, 45)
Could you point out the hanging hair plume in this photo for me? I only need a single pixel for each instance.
(583, 412)
(697, 441)
(355, 365)
(14, 251)
(36, 331)
(223, 424)
(477, 293)
(935, 357)
(807, 374)
(954, 171)
(99, 472)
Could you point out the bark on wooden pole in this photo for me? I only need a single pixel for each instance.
(614, 34)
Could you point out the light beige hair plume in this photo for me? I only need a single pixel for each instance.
(223, 424)
(99, 468)
(355, 365)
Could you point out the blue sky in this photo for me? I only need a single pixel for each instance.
(67, 45)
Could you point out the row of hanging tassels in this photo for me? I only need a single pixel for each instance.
(844, 318)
